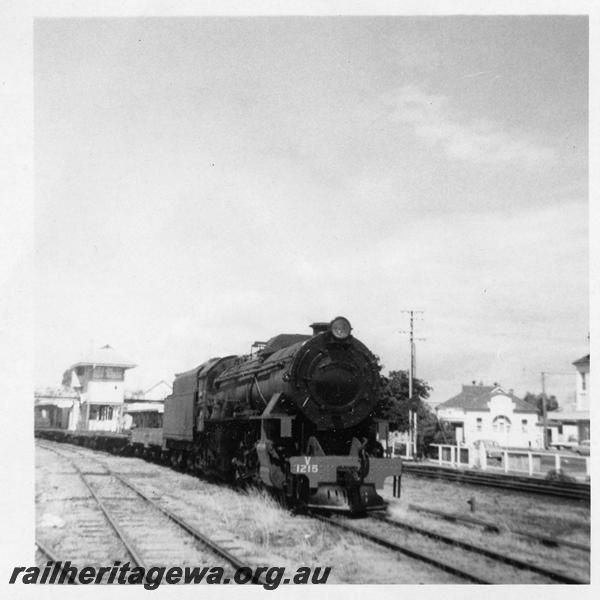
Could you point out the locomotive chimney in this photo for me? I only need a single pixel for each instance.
(319, 327)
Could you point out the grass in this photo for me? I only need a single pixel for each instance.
(272, 535)
(512, 511)
(516, 511)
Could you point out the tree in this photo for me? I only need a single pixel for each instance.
(536, 400)
(394, 405)
(394, 402)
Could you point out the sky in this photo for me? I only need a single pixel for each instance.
(202, 183)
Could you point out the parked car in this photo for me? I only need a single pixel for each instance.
(571, 444)
(492, 448)
(583, 448)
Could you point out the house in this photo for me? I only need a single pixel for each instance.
(159, 391)
(491, 413)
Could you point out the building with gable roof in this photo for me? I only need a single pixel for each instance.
(481, 412)
(570, 427)
(143, 409)
(158, 392)
(582, 383)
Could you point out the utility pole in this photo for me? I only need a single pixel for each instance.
(544, 413)
(412, 415)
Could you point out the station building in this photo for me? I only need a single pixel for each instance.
(53, 408)
(481, 412)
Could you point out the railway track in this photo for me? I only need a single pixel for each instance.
(559, 489)
(46, 551)
(482, 551)
(440, 551)
(405, 549)
(475, 564)
(132, 515)
(496, 528)
(44, 554)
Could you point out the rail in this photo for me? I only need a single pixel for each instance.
(182, 523)
(490, 526)
(560, 489)
(53, 556)
(496, 556)
(403, 549)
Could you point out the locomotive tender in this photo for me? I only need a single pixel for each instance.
(295, 417)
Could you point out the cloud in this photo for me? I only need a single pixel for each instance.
(490, 286)
(480, 141)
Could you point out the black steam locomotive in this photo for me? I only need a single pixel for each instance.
(296, 417)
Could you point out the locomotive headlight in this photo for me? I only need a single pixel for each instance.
(340, 328)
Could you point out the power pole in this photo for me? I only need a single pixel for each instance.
(412, 415)
(544, 413)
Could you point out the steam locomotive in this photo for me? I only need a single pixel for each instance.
(296, 417)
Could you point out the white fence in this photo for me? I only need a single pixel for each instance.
(401, 449)
(530, 462)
